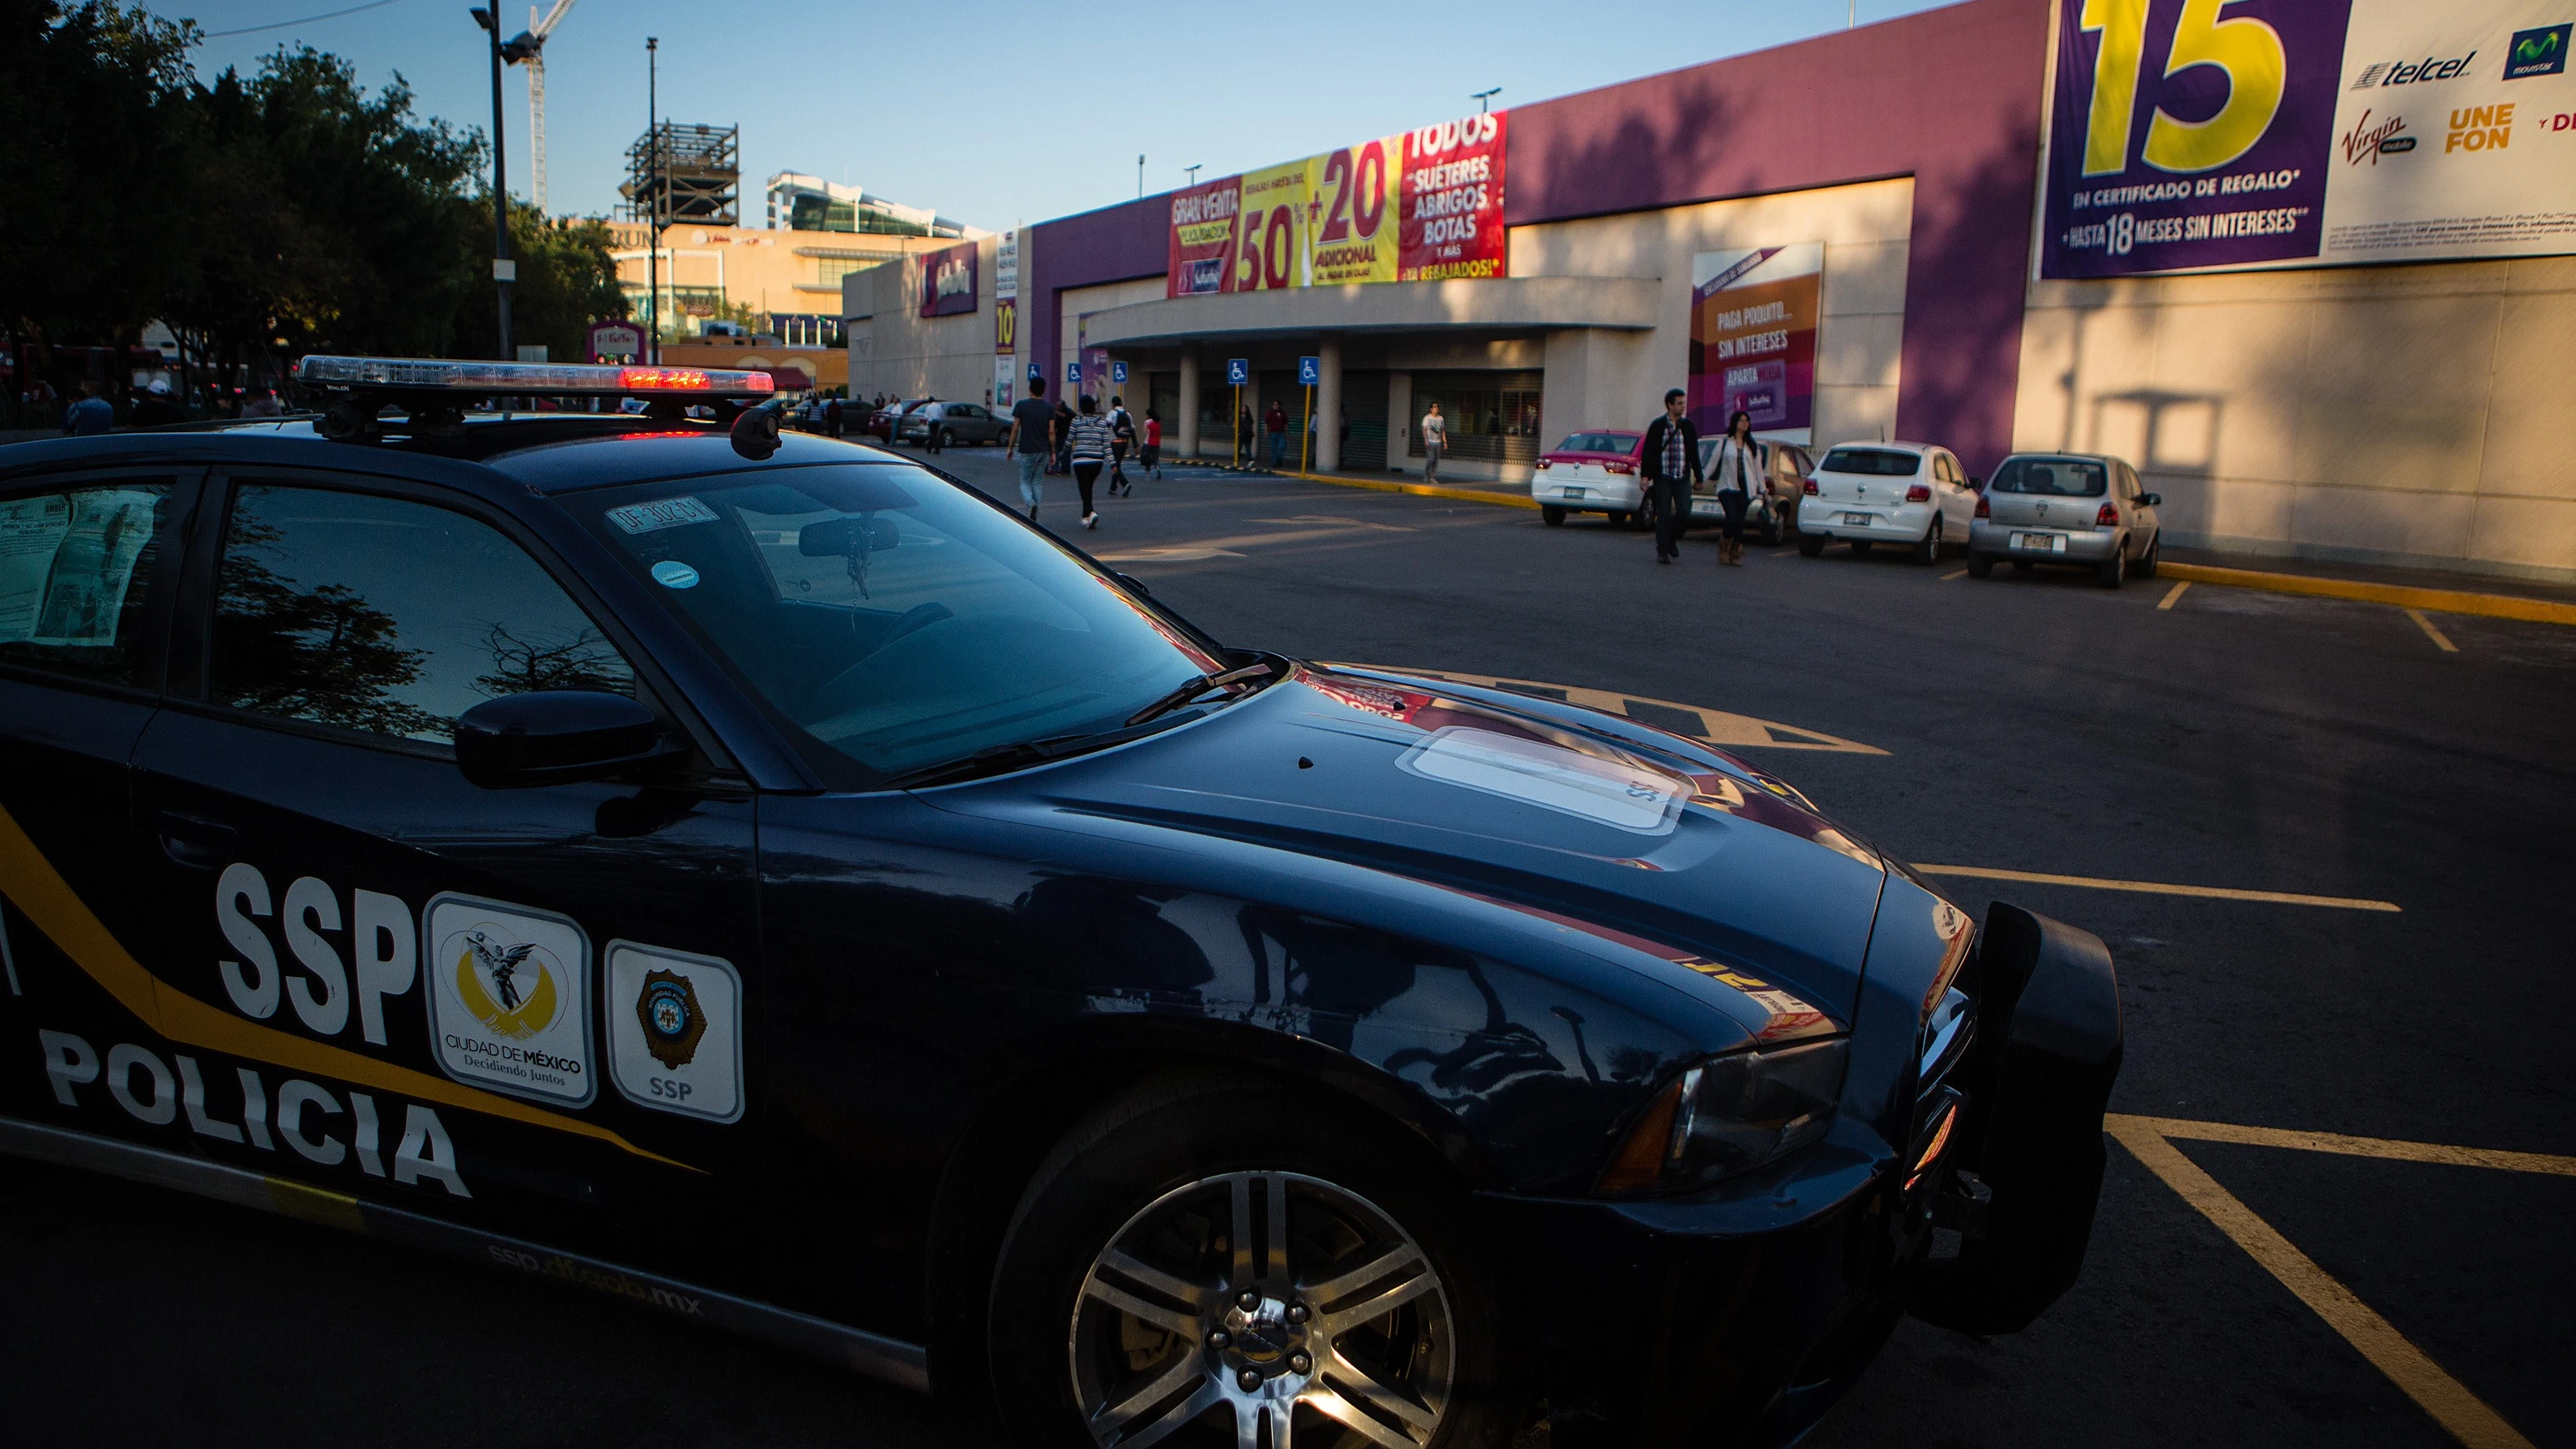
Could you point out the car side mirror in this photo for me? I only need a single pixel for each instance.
(841, 537)
(2151, 499)
(1133, 584)
(557, 736)
(1977, 483)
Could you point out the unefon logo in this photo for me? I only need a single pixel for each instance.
(2537, 52)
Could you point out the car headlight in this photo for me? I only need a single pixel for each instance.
(1729, 1115)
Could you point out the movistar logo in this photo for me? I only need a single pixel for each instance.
(2537, 52)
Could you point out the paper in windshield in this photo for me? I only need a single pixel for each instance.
(66, 562)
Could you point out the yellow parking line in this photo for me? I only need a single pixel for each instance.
(2160, 888)
(1961, 574)
(1424, 490)
(2441, 601)
(2387, 1148)
(2450, 1402)
(2432, 633)
(2172, 594)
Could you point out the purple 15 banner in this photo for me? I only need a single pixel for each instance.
(2190, 133)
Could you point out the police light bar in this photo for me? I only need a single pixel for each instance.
(429, 374)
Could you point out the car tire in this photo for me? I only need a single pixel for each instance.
(1551, 515)
(1929, 550)
(1860, 548)
(1980, 565)
(2146, 566)
(2112, 570)
(947, 438)
(1127, 1214)
(1811, 545)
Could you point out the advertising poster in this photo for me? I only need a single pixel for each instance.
(1006, 317)
(1202, 237)
(1270, 236)
(1753, 338)
(948, 281)
(1452, 220)
(2189, 135)
(1354, 224)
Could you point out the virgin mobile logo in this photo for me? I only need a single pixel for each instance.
(2365, 140)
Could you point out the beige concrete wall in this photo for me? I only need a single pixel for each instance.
(894, 349)
(1859, 342)
(768, 271)
(2410, 415)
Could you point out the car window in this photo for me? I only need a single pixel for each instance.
(2056, 477)
(1874, 462)
(1597, 443)
(890, 620)
(388, 616)
(76, 565)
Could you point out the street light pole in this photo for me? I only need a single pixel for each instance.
(1485, 99)
(653, 201)
(504, 270)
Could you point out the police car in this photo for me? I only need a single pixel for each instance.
(766, 880)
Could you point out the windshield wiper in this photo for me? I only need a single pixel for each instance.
(1192, 690)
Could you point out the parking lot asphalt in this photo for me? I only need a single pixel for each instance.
(2260, 744)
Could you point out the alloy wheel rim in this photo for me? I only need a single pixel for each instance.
(1266, 1309)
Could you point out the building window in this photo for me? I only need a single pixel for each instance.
(828, 271)
(1492, 416)
(805, 329)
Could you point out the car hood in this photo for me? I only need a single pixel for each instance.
(1695, 863)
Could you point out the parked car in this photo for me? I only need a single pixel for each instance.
(1772, 513)
(2084, 509)
(1591, 472)
(1863, 494)
(886, 419)
(954, 422)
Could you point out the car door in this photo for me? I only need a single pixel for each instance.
(88, 566)
(466, 1003)
(1958, 502)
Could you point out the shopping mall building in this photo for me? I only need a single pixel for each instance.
(2313, 333)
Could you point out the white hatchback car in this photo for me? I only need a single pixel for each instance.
(1912, 495)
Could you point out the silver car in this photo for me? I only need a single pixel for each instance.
(1771, 514)
(2081, 509)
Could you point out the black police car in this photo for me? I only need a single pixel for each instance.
(764, 879)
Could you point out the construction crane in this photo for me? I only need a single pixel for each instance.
(529, 49)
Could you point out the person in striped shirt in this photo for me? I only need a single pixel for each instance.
(1091, 439)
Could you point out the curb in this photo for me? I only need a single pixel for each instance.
(1424, 490)
(2440, 601)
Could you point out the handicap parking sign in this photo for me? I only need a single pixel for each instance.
(1036, 373)
(1073, 372)
(1118, 372)
(1310, 371)
(1238, 371)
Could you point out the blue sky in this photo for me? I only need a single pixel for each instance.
(1003, 112)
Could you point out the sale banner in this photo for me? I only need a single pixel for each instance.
(1270, 237)
(1202, 238)
(1352, 220)
(1753, 338)
(1451, 200)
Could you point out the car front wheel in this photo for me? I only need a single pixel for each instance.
(1170, 1277)
(2146, 566)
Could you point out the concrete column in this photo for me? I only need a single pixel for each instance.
(1187, 445)
(1328, 403)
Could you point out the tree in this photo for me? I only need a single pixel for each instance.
(567, 281)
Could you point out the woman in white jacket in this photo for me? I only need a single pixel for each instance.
(1736, 470)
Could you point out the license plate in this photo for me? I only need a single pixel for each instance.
(2043, 542)
(1862, 519)
(1573, 492)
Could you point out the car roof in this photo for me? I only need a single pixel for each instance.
(1894, 446)
(545, 453)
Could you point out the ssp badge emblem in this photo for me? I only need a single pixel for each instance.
(673, 1024)
(509, 997)
(675, 1030)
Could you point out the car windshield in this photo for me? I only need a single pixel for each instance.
(1875, 462)
(1597, 443)
(891, 620)
(2057, 477)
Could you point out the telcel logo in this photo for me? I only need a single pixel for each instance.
(2407, 72)
(2538, 52)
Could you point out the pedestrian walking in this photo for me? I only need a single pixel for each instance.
(1063, 437)
(1152, 457)
(832, 417)
(90, 416)
(1088, 445)
(1032, 442)
(1245, 431)
(1275, 422)
(1670, 465)
(159, 406)
(1122, 436)
(929, 425)
(1735, 466)
(1435, 437)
